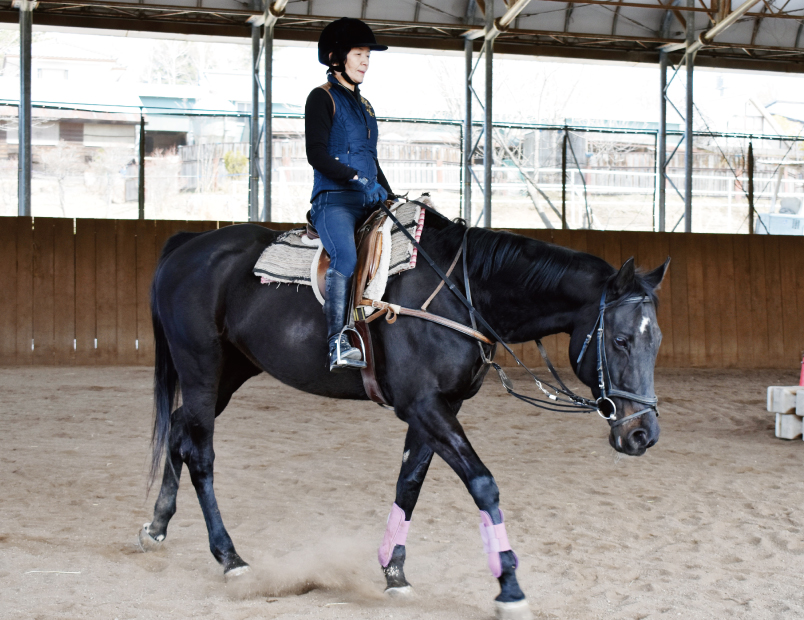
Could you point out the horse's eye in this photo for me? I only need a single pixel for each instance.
(621, 342)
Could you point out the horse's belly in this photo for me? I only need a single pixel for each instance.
(283, 331)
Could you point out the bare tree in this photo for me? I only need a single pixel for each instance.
(62, 162)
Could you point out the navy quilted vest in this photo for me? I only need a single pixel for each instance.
(352, 140)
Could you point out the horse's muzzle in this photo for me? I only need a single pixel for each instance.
(634, 439)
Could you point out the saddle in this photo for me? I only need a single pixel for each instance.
(368, 240)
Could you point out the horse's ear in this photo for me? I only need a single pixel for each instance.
(655, 277)
(624, 279)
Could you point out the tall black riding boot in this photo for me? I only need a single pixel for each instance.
(336, 307)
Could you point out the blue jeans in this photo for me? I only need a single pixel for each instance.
(336, 214)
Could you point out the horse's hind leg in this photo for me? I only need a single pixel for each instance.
(416, 460)
(198, 453)
(153, 533)
(190, 442)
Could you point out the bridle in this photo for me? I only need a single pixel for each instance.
(604, 382)
(560, 397)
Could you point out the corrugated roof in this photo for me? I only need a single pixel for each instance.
(767, 37)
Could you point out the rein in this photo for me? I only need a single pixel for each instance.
(562, 397)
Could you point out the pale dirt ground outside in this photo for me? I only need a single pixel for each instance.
(708, 524)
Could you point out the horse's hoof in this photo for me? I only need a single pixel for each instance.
(146, 542)
(518, 610)
(403, 592)
(237, 571)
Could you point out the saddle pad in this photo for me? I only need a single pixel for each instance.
(289, 258)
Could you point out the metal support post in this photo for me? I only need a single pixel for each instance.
(268, 50)
(661, 154)
(688, 138)
(488, 149)
(141, 169)
(24, 156)
(467, 135)
(751, 210)
(254, 152)
(564, 181)
(654, 227)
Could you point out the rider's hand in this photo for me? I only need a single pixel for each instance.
(374, 192)
(377, 194)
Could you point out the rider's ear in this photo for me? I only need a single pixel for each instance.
(624, 279)
(655, 277)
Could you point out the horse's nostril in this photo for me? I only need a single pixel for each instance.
(639, 438)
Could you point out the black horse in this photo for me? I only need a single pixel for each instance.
(216, 326)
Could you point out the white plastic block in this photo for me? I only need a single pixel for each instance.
(800, 402)
(788, 426)
(782, 398)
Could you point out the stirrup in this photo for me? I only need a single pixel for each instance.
(345, 363)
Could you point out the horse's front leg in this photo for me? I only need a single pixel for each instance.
(433, 419)
(416, 460)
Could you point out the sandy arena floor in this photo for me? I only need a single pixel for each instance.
(708, 524)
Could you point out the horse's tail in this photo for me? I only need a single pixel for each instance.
(166, 379)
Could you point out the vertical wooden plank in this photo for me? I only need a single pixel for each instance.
(146, 265)
(629, 246)
(64, 290)
(695, 300)
(724, 255)
(792, 313)
(797, 258)
(577, 240)
(605, 246)
(773, 302)
(126, 281)
(759, 308)
(85, 292)
(24, 327)
(653, 251)
(679, 305)
(612, 250)
(43, 293)
(712, 300)
(561, 237)
(106, 290)
(743, 301)
(8, 286)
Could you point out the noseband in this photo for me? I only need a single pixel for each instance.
(607, 390)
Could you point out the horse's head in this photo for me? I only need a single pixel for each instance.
(619, 370)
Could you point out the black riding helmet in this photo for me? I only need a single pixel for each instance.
(341, 36)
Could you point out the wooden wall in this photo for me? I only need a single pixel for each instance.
(77, 292)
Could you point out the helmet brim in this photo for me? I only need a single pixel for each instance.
(374, 47)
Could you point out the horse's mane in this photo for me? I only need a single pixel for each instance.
(493, 252)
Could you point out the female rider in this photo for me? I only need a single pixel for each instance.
(341, 141)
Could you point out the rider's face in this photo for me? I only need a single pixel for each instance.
(357, 63)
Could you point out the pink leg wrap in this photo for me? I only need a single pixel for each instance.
(495, 540)
(396, 533)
